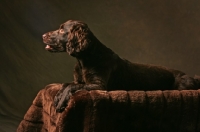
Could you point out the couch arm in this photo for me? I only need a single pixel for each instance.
(115, 111)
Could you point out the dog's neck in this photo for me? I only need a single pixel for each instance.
(95, 52)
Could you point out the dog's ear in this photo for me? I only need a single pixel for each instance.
(78, 38)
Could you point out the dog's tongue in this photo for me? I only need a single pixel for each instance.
(47, 47)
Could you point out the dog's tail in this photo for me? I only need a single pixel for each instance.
(197, 81)
(185, 82)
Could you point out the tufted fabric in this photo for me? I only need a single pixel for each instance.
(115, 111)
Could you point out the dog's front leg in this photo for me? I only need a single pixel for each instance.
(59, 94)
(63, 96)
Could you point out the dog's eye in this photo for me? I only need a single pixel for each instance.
(61, 31)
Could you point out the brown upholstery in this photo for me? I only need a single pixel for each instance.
(115, 111)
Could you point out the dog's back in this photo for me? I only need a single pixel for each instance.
(134, 76)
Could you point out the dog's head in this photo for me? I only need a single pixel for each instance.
(72, 37)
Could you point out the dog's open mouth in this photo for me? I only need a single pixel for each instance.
(48, 47)
(54, 48)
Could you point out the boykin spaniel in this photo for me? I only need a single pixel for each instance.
(99, 68)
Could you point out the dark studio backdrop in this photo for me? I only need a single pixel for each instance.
(160, 32)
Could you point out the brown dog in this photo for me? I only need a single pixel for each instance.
(99, 68)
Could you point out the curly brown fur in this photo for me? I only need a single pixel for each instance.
(99, 68)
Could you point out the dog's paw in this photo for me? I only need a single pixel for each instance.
(62, 99)
(58, 96)
(56, 99)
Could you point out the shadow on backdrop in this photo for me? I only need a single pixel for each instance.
(156, 32)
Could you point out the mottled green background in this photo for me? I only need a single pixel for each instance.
(161, 32)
